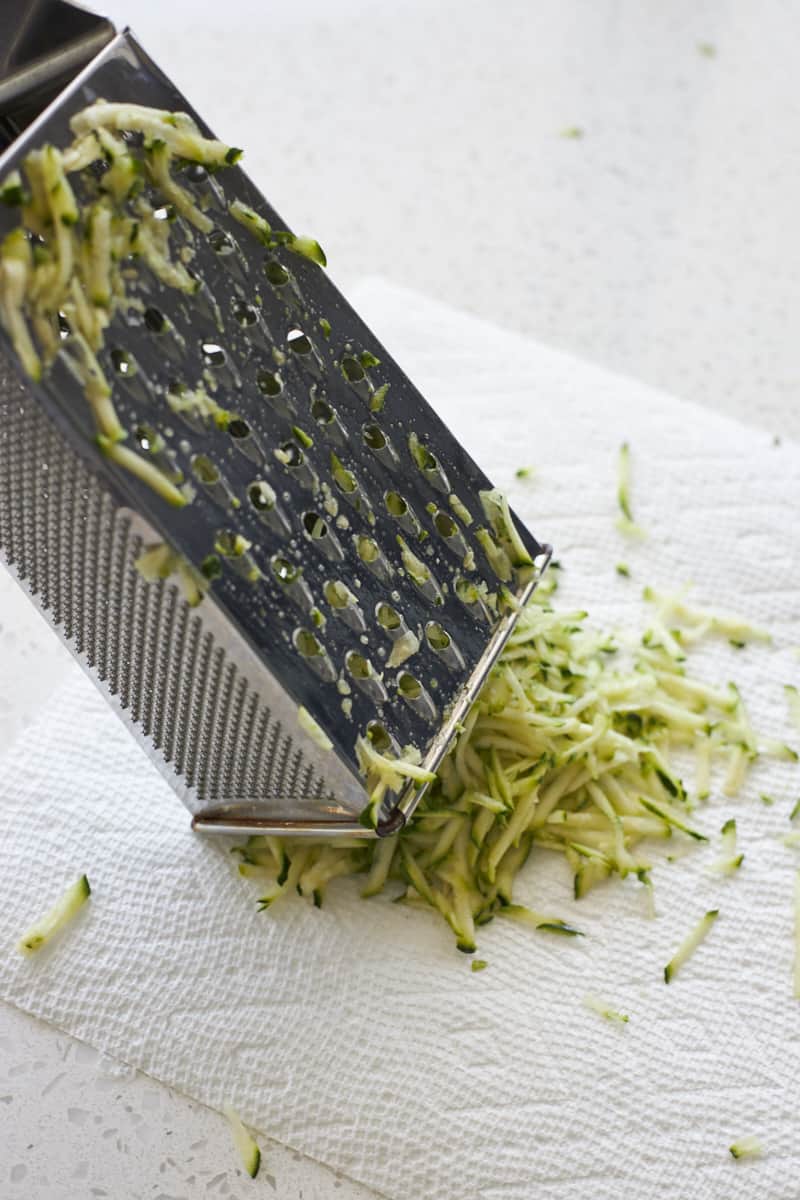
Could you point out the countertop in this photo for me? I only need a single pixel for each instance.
(617, 178)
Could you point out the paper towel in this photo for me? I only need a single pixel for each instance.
(357, 1033)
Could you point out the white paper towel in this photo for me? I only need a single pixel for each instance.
(357, 1033)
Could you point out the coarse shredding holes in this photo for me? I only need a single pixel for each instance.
(345, 480)
(445, 525)
(261, 496)
(388, 618)
(374, 437)
(307, 643)
(221, 242)
(368, 549)
(352, 370)
(123, 363)
(314, 525)
(204, 469)
(298, 342)
(409, 686)
(414, 694)
(358, 666)
(148, 439)
(395, 504)
(269, 383)
(322, 412)
(276, 273)
(284, 571)
(228, 543)
(238, 428)
(338, 594)
(443, 645)
(245, 314)
(438, 637)
(290, 455)
(213, 354)
(379, 736)
(155, 320)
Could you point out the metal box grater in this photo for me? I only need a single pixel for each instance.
(212, 693)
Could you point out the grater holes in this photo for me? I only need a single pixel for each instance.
(450, 533)
(299, 343)
(415, 696)
(399, 509)
(352, 370)
(381, 739)
(472, 597)
(276, 273)
(318, 533)
(326, 418)
(363, 674)
(236, 551)
(245, 439)
(290, 579)
(205, 471)
(122, 361)
(212, 354)
(344, 604)
(311, 649)
(292, 458)
(390, 620)
(442, 644)
(428, 464)
(155, 321)
(378, 442)
(222, 243)
(245, 314)
(372, 556)
(269, 383)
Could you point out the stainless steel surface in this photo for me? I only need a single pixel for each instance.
(212, 693)
(43, 46)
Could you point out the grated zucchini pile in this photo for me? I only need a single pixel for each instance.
(572, 747)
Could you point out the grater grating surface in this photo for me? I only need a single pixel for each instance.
(212, 693)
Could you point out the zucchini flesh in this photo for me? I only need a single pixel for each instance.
(60, 915)
(244, 1142)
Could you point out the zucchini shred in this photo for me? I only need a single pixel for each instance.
(570, 747)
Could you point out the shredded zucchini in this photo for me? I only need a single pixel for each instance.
(690, 944)
(313, 729)
(244, 1142)
(62, 912)
(603, 1010)
(729, 861)
(625, 521)
(746, 1147)
(569, 748)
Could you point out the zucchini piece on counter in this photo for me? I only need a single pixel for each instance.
(57, 918)
(244, 1142)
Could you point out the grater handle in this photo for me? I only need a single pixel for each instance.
(44, 44)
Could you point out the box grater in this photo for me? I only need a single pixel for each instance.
(310, 615)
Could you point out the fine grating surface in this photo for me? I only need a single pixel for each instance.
(75, 550)
(316, 471)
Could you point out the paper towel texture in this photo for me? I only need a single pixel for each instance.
(357, 1033)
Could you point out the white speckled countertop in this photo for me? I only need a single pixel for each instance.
(423, 140)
